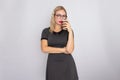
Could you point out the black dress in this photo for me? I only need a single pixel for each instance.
(60, 66)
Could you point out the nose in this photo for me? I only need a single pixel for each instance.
(60, 18)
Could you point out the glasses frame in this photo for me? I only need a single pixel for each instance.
(61, 16)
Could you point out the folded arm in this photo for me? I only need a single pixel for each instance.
(48, 49)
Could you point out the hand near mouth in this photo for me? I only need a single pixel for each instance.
(66, 25)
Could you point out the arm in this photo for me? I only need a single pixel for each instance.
(70, 43)
(47, 49)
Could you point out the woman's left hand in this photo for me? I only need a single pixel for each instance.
(66, 25)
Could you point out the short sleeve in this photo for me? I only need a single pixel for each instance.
(45, 34)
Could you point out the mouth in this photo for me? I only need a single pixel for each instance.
(61, 22)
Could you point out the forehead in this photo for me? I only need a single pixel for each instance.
(60, 12)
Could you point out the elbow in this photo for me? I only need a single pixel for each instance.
(44, 50)
(69, 51)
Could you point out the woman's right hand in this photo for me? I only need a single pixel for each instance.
(65, 50)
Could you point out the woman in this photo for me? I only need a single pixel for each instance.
(58, 41)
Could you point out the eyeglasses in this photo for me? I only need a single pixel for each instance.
(61, 16)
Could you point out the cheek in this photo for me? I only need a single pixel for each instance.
(57, 21)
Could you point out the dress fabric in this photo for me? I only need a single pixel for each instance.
(60, 66)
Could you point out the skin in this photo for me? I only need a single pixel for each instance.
(58, 27)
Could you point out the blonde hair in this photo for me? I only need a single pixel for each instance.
(52, 22)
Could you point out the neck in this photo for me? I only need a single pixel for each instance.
(57, 28)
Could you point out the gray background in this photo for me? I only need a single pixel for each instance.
(96, 25)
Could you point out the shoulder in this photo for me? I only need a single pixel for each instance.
(45, 33)
(46, 29)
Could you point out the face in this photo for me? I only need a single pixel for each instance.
(60, 16)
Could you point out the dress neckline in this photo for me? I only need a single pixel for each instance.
(58, 31)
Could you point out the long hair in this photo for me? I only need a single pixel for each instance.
(52, 22)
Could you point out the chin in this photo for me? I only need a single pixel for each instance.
(58, 23)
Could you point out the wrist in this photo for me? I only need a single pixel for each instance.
(70, 30)
(63, 50)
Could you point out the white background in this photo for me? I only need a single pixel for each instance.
(96, 25)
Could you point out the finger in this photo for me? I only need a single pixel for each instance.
(65, 20)
(64, 23)
(64, 28)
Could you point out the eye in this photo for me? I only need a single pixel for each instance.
(64, 16)
(58, 15)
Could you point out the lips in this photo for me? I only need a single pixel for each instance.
(61, 22)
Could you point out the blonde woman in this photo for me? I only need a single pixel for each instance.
(58, 41)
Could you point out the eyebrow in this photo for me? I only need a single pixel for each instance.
(60, 14)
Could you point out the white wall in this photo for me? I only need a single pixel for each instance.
(97, 38)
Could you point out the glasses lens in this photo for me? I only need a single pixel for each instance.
(61, 16)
